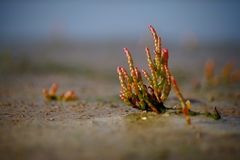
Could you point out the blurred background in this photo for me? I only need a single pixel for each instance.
(87, 36)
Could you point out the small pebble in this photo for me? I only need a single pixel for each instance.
(166, 115)
(51, 119)
(144, 118)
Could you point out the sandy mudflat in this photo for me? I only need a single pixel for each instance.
(99, 126)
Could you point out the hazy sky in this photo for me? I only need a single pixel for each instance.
(111, 19)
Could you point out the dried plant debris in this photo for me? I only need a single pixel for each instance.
(226, 76)
(151, 96)
(51, 94)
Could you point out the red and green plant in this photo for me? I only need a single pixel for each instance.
(227, 75)
(51, 94)
(151, 97)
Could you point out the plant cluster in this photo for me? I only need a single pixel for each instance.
(226, 76)
(151, 96)
(51, 94)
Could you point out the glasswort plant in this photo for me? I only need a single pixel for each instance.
(150, 97)
(51, 94)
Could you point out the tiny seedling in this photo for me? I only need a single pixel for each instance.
(227, 76)
(151, 96)
(51, 94)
